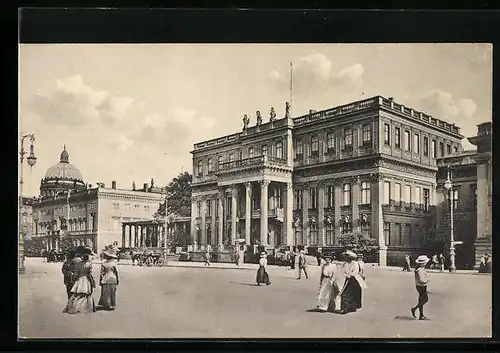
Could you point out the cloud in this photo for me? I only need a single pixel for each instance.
(444, 106)
(71, 102)
(314, 75)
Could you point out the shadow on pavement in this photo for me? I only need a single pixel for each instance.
(404, 318)
(245, 284)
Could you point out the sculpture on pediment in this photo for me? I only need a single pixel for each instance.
(296, 223)
(152, 182)
(328, 220)
(287, 110)
(133, 185)
(246, 121)
(272, 115)
(259, 118)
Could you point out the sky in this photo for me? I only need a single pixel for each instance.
(132, 112)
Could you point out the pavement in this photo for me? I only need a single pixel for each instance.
(187, 302)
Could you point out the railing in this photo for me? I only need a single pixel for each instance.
(259, 160)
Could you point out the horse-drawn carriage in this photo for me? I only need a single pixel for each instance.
(147, 258)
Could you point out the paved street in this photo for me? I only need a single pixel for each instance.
(210, 303)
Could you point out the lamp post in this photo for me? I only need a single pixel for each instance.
(31, 160)
(449, 187)
(165, 226)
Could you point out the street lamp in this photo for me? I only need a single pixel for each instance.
(449, 187)
(165, 227)
(31, 160)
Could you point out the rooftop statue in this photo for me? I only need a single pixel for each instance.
(272, 115)
(287, 110)
(246, 121)
(259, 118)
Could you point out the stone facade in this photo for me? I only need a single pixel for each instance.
(369, 166)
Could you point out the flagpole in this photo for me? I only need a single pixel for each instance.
(291, 84)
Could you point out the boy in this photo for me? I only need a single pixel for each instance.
(421, 282)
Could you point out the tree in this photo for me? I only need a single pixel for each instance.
(359, 244)
(179, 238)
(178, 196)
(65, 244)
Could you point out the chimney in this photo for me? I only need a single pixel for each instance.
(145, 186)
(113, 184)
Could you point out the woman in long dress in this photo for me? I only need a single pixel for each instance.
(109, 280)
(352, 290)
(328, 285)
(81, 300)
(262, 276)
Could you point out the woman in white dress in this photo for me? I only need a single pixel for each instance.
(328, 285)
(262, 276)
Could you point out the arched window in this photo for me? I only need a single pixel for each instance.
(210, 165)
(346, 201)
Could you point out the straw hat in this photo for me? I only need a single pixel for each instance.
(302, 252)
(350, 254)
(263, 254)
(110, 253)
(422, 259)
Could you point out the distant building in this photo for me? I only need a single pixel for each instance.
(368, 166)
(27, 217)
(90, 215)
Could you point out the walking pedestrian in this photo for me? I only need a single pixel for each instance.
(361, 264)
(302, 264)
(407, 264)
(351, 293)
(237, 257)
(482, 264)
(292, 259)
(318, 257)
(109, 280)
(262, 275)
(68, 270)
(441, 261)
(81, 300)
(488, 262)
(207, 258)
(421, 282)
(328, 285)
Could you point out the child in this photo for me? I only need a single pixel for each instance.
(421, 282)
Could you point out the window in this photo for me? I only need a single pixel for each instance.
(387, 233)
(241, 155)
(347, 138)
(406, 238)
(298, 148)
(365, 229)
(387, 192)
(251, 152)
(298, 199)
(441, 149)
(455, 149)
(455, 198)
(330, 234)
(416, 143)
(397, 137)
(313, 197)
(474, 193)
(209, 234)
(298, 235)
(330, 141)
(209, 208)
(426, 146)
(217, 208)
(229, 205)
(198, 207)
(116, 206)
(416, 199)
(387, 134)
(200, 167)
(231, 157)
(396, 236)
(127, 207)
(264, 150)
(329, 196)
(367, 134)
(433, 148)
(314, 144)
(426, 199)
(408, 193)
(277, 198)
(346, 227)
(448, 149)
(407, 141)
(210, 165)
(346, 201)
(313, 234)
(220, 160)
(279, 150)
(365, 193)
(397, 192)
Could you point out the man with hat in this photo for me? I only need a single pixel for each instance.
(302, 264)
(421, 282)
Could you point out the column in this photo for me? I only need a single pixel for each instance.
(264, 184)
(234, 213)
(193, 219)
(337, 203)
(377, 192)
(355, 195)
(220, 200)
(321, 213)
(136, 235)
(248, 212)
(305, 219)
(130, 236)
(123, 234)
(203, 221)
(288, 213)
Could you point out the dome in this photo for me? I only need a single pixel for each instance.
(63, 170)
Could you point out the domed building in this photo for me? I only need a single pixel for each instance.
(61, 177)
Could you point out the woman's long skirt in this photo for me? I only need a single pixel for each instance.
(326, 295)
(81, 300)
(108, 296)
(262, 276)
(351, 296)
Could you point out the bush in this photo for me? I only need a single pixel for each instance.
(359, 244)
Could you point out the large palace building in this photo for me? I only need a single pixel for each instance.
(89, 215)
(367, 167)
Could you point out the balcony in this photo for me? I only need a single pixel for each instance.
(259, 161)
(407, 207)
